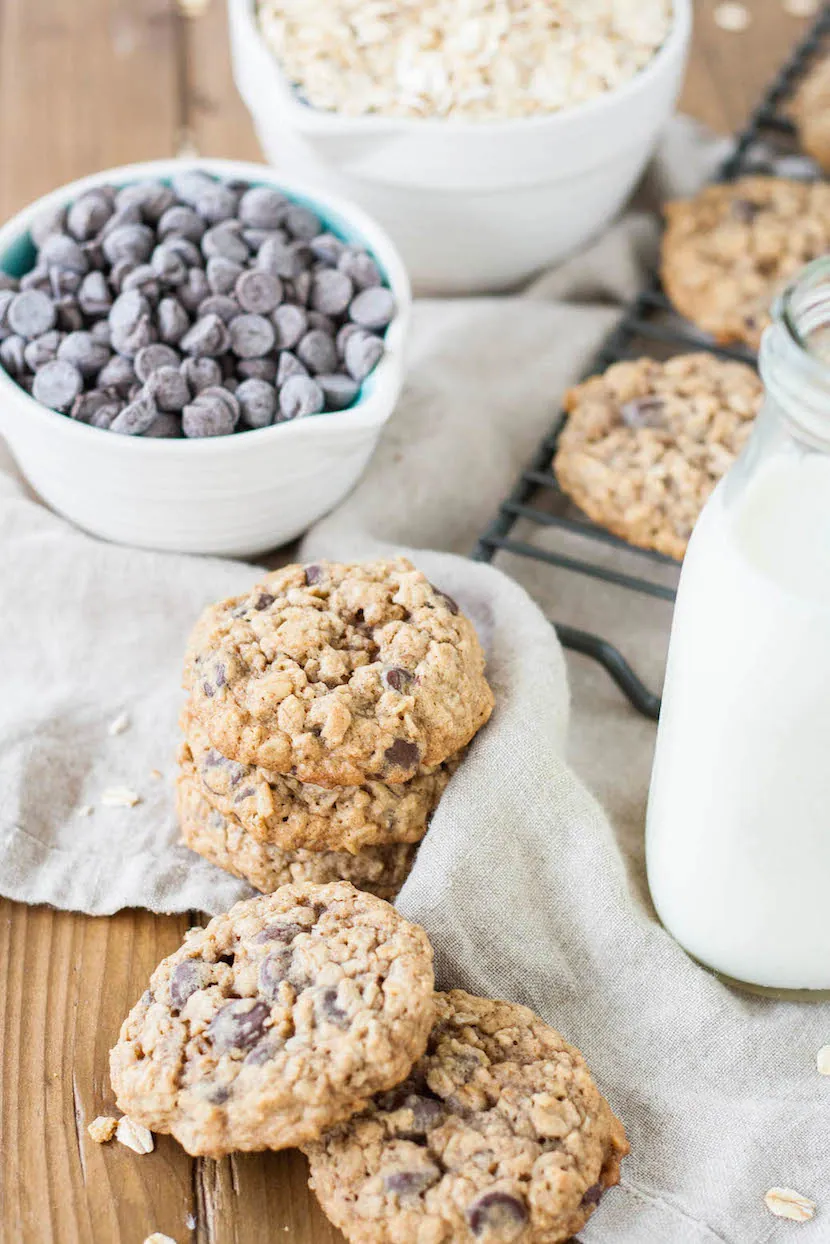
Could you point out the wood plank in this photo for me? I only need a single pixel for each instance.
(66, 982)
(216, 120)
(259, 1198)
(728, 70)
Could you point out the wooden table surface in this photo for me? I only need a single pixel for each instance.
(85, 85)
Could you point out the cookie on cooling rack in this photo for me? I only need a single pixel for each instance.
(646, 442)
(728, 251)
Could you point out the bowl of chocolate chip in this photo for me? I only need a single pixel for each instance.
(196, 355)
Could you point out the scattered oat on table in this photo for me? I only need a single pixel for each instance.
(785, 1203)
(801, 8)
(500, 58)
(190, 1222)
(86, 809)
(192, 8)
(119, 725)
(134, 1135)
(156, 774)
(732, 17)
(103, 1128)
(158, 1237)
(120, 797)
(823, 1061)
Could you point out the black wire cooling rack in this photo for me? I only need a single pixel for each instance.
(649, 325)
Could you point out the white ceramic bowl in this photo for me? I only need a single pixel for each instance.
(473, 206)
(231, 495)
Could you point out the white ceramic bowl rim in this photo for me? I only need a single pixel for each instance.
(673, 44)
(329, 207)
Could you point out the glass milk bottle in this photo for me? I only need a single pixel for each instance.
(738, 826)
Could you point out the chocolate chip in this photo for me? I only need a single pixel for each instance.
(280, 932)
(289, 365)
(152, 357)
(238, 1026)
(181, 222)
(339, 391)
(94, 297)
(88, 215)
(60, 251)
(164, 427)
(328, 1009)
(280, 258)
(273, 971)
(402, 755)
(135, 419)
(207, 416)
(643, 412)
(127, 310)
(331, 291)
(362, 352)
(745, 210)
(359, 267)
(398, 679)
(30, 314)
(168, 389)
(327, 249)
(373, 308)
(224, 241)
(118, 374)
(216, 203)
(408, 1184)
(57, 384)
(201, 373)
(301, 223)
(223, 274)
(448, 600)
(185, 979)
(257, 369)
(42, 350)
(132, 242)
(262, 208)
(426, 1113)
(223, 305)
(251, 336)
(497, 1212)
(207, 338)
(317, 351)
(151, 197)
(189, 185)
(300, 396)
(314, 574)
(194, 290)
(258, 292)
(84, 352)
(593, 1195)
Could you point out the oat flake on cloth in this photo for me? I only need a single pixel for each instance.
(528, 889)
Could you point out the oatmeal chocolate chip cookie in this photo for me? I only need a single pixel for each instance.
(646, 442)
(728, 251)
(276, 1021)
(338, 673)
(811, 112)
(381, 870)
(498, 1135)
(280, 811)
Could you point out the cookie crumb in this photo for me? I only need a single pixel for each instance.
(823, 1061)
(120, 797)
(801, 8)
(103, 1128)
(732, 17)
(190, 1222)
(156, 775)
(134, 1135)
(158, 1237)
(86, 809)
(785, 1203)
(121, 723)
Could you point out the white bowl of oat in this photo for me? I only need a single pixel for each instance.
(491, 138)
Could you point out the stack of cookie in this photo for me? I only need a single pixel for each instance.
(308, 1018)
(328, 708)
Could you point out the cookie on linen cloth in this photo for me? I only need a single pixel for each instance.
(646, 442)
(728, 251)
(381, 870)
(811, 111)
(498, 1135)
(277, 1020)
(336, 674)
(280, 811)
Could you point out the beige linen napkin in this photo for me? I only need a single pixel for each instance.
(527, 888)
